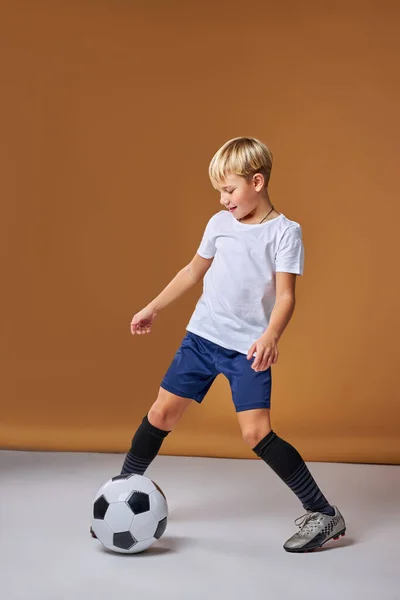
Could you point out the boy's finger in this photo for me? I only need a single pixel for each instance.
(251, 352)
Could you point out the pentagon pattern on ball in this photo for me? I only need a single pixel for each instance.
(126, 476)
(100, 508)
(124, 540)
(139, 502)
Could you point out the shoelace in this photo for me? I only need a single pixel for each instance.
(307, 522)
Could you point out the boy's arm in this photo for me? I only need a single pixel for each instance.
(284, 304)
(185, 279)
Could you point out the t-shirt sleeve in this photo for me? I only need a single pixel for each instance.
(207, 247)
(289, 257)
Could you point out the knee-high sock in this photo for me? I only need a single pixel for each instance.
(146, 444)
(287, 463)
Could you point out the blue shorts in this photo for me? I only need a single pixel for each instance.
(198, 362)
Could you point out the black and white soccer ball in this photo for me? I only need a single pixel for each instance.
(129, 513)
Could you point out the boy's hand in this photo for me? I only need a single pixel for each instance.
(143, 320)
(267, 352)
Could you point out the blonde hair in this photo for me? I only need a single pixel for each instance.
(242, 156)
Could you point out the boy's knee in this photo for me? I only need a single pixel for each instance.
(163, 416)
(253, 435)
(167, 410)
(158, 417)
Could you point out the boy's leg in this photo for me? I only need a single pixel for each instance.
(283, 458)
(251, 394)
(188, 379)
(155, 426)
(323, 521)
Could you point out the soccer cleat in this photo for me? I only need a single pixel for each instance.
(92, 533)
(315, 530)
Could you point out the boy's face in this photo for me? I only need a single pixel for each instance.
(240, 195)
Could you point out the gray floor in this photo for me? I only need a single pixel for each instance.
(227, 522)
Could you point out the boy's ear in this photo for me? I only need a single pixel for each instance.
(258, 181)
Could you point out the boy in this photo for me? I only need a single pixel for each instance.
(249, 257)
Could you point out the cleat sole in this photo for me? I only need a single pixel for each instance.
(300, 551)
(341, 534)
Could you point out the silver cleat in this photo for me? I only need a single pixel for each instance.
(315, 530)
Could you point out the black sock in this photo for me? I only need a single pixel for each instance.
(146, 444)
(287, 463)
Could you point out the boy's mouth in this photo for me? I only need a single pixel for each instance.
(233, 208)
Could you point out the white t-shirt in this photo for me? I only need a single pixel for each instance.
(239, 288)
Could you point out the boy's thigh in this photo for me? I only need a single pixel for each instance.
(250, 389)
(168, 401)
(192, 370)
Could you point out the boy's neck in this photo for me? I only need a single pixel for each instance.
(260, 214)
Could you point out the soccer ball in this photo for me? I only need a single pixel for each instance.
(129, 513)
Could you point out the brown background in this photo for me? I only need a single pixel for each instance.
(111, 112)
